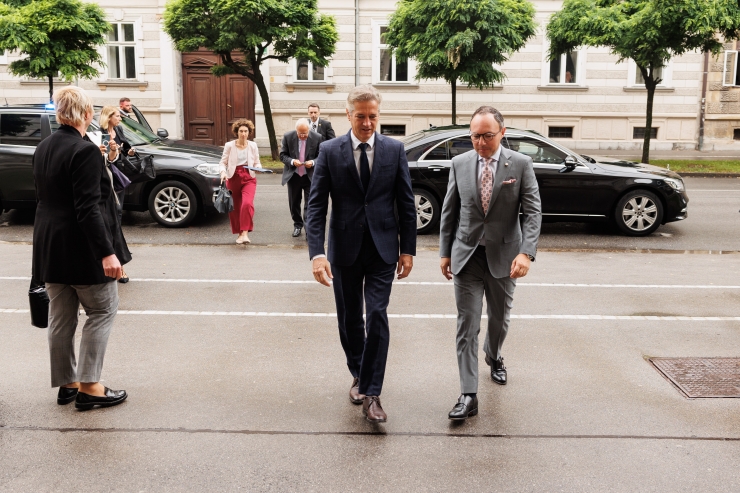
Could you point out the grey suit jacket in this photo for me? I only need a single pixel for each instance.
(290, 151)
(463, 223)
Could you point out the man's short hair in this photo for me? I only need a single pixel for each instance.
(314, 105)
(123, 100)
(490, 110)
(302, 122)
(362, 93)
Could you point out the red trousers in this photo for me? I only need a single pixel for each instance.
(242, 187)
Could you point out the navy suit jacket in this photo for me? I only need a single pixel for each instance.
(387, 206)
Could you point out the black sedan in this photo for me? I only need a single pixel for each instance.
(187, 172)
(575, 188)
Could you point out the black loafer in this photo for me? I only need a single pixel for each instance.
(66, 395)
(296, 232)
(466, 407)
(85, 402)
(498, 370)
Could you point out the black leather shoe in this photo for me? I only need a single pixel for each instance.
(466, 407)
(66, 395)
(498, 370)
(85, 402)
(296, 232)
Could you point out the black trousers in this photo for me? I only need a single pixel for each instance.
(296, 186)
(365, 342)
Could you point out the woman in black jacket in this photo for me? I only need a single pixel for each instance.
(110, 124)
(78, 250)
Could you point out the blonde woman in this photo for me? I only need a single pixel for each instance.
(110, 124)
(238, 155)
(78, 251)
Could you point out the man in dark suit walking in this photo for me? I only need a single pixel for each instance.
(367, 177)
(319, 125)
(299, 149)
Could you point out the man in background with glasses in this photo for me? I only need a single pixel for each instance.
(485, 246)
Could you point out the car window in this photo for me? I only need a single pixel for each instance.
(136, 133)
(20, 129)
(439, 153)
(540, 151)
(460, 145)
(54, 125)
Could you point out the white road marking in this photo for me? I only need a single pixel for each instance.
(708, 190)
(426, 283)
(191, 313)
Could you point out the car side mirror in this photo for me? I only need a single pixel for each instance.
(569, 164)
(161, 132)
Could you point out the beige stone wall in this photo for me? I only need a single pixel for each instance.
(722, 106)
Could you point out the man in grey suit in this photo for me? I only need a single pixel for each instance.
(485, 246)
(299, 149)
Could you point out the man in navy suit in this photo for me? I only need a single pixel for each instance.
(367, 177)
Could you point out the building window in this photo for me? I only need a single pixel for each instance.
(560, 132)
(736, 134)
(639, 132)
(307, 71)
(386, 67)
(565, 69)
(731, 76)
(121, 49)
(640, 80)
(395, 130)
(636, 80)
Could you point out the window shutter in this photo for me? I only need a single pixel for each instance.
(730, 67)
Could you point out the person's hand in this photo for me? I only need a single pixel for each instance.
(309, 164)
(223, 176)
(113, 146)
(405, 264)
(296, 163)
(103, 150)
(112, 267)
(131, 152)
(444, 264)
(520, 266)
(322, 271)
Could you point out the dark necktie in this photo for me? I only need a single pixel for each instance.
(364, 166)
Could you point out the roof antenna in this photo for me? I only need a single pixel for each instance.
(6, 102)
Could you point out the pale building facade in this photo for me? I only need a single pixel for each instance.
(585, 99)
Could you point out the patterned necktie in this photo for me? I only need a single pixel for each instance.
(313, 126)
(486, 184)
(301, 156)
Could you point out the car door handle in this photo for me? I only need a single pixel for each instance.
(437, 167)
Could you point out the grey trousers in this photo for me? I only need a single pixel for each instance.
(100, 302)
(471, 283)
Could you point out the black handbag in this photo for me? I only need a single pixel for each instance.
(223, 201)
(38, 300)
(142, 168)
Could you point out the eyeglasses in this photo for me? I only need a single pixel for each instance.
(488, 137)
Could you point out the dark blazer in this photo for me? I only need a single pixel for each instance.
(290, 151)
(353, 207)
(76, 223)
(324, 128)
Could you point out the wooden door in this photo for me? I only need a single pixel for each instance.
(213, 103)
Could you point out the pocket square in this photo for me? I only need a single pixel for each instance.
(509, 182)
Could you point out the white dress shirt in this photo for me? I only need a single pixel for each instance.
(370, 151)
(494, 166)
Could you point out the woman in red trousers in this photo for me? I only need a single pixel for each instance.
(238, 155)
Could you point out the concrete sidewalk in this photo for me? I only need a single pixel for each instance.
(259, 402)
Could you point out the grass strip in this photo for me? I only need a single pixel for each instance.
(697, 166)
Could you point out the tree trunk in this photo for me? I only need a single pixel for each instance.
(650, 86)
(260, 83)
(454, 101)
(51, 88)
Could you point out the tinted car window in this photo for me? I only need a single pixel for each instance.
(460, 145)
(54, 125)
(20, 129)
(539, 151)
(439, 153)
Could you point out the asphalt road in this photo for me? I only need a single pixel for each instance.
(237, 381)
(713, 224)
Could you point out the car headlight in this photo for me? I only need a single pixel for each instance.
(208, 168)
(674, 183)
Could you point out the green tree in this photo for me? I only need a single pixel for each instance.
(57, 37)
(650, 32)
(460, 39)
(258, 30)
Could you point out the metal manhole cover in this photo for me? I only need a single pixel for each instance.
(702, 377)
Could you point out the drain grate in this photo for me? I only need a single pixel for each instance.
(702, 377)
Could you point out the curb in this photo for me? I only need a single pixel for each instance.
(710, 175)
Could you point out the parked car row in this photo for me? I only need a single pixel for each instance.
(575, 188)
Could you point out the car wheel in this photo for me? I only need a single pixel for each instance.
(639, 213)
(172, 204)
(427, 211)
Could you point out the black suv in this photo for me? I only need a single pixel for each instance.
(187, 172)
(637, 197)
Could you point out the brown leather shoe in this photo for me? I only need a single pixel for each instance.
(372, 409)
(354, 392)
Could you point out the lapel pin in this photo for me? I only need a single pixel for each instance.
(506, 163)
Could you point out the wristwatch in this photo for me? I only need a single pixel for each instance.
(531, 257)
